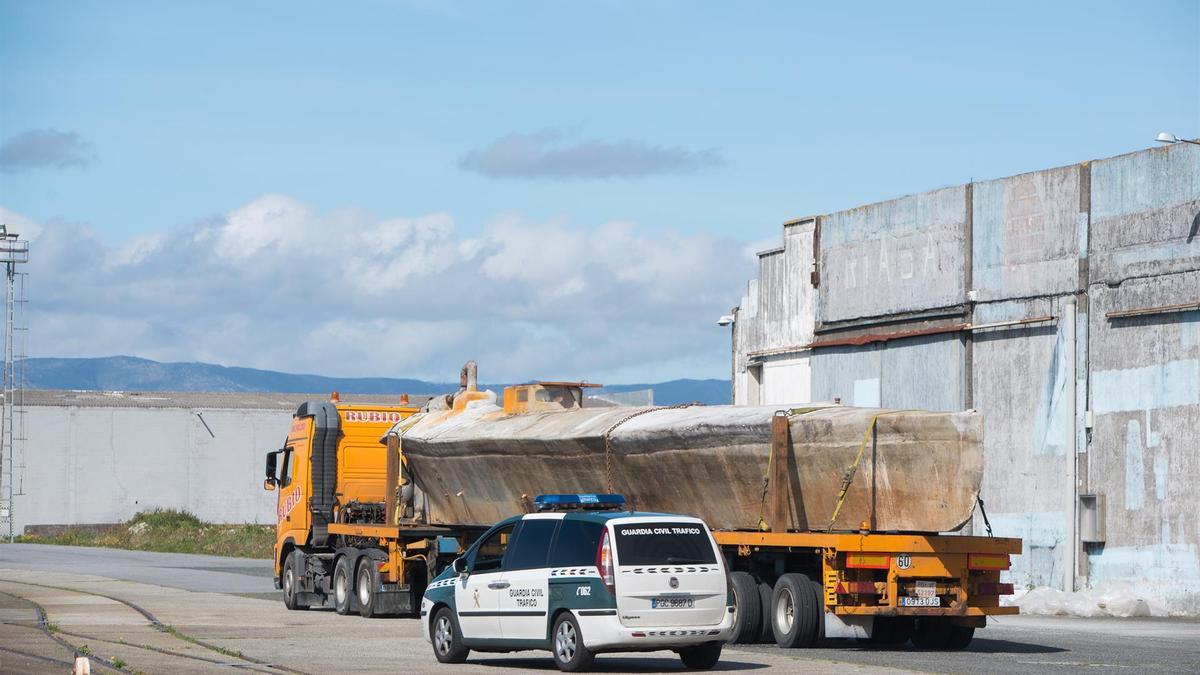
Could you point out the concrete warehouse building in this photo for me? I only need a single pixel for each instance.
(100, 457)
(1064, 304)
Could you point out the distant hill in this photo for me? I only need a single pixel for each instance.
(128, 373)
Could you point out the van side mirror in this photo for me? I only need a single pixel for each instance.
(460, 566)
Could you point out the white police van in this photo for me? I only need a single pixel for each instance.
(581, 577)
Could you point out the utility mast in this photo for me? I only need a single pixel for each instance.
(13, 252)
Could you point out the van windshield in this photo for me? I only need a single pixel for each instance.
(663, 543)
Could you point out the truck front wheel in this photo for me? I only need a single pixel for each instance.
(293, 568)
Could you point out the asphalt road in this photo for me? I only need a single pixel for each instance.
(121, 603)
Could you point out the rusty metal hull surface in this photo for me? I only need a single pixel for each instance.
(919, 472)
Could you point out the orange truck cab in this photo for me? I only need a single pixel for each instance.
(332, 542)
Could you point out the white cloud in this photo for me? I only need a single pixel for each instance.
(28, 228)
(548, 154)
(275, 284)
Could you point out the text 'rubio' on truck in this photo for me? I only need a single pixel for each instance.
(831, 518)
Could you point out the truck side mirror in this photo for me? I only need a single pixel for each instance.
(459, 566)
(272, 466)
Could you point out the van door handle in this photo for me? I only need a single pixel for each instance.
(497, 585)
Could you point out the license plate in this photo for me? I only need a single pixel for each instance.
(672, 603)
(926, 589)
(920, 602)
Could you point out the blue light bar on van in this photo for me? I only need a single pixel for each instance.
(580, 501)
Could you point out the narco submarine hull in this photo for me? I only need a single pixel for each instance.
(474, 461)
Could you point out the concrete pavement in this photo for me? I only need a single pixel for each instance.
(155, 612)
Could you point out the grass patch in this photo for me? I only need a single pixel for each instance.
(169, 531)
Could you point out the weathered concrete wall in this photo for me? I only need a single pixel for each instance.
(1024, 241)
(1145, 214)
(102, 465)
(1072, 244)
(1145, 449)
(1022, 383)
(895, 256)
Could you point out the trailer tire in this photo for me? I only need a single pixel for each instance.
(748, 609)
(892, 630)
(795, 611)
(366, 583)
(291, 581)
(343, 586)
(447, 638)
(932, 632)
(960, 637)
(766, 634)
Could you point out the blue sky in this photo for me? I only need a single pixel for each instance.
(703, 123)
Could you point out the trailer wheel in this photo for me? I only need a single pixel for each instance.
(795, 611)
(933, 632)
(343, 586)
(960, 637)
(292, 568)
(368, 581)
(767, 633)
(892, 630)
(747, 609)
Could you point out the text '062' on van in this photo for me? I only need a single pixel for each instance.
(579, 577)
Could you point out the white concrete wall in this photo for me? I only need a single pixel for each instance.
(102, 465)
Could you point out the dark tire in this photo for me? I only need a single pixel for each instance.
(766, 634)
(293, 569)
(701, 657)
(748, 612)
(960, 637)
(892, 630)
(932, 632)
(366, 582)
(566, 644)
(795, 612)
(447, 638)
(343, 586)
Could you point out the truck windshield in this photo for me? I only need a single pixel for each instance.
(663, 543)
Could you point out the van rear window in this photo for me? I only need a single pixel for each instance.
(663, 544)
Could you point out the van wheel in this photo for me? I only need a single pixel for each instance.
(569, 653)
(747, 609)
(795, 612)
(368, 581)
(343, 586)
(293, 567)
(701, 657)
(447, 639)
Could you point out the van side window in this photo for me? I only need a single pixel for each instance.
(576, 543)
(532, 545)
(490, 554)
